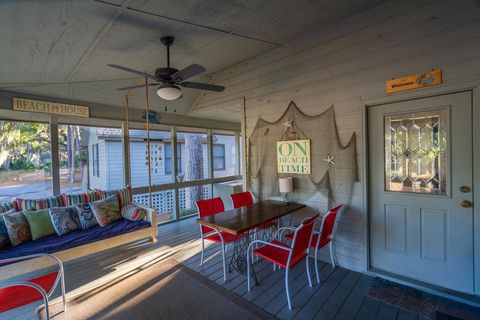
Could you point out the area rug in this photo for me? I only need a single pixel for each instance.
(165, 290)
(420, 303)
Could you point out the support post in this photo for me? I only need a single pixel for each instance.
(55, 166)
(147, 117)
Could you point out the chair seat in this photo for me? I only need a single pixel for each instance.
(227, 237)
(266, 225)
(17, 296)
(314, 240)
(277, 255)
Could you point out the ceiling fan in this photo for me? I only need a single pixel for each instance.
(170, 79)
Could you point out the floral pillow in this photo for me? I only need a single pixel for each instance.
(133, 212)
(86, 216)
(64, 219)
(124, 195)
(106, 211)
(17, 228)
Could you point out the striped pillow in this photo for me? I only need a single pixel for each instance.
(38, 204)
(7, 206)
(123, 195)
(133, 213)
(73, 199)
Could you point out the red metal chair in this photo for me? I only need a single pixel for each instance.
(283, 255)
(243, 199)
(19, 293)
(324, 236)
(207, 208)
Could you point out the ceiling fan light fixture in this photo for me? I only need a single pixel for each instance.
(169, 92)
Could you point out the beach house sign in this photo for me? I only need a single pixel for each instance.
(293, 156)
(21, 104)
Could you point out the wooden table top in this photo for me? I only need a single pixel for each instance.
(237, 221)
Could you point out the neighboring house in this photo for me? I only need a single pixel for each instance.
(106, 157)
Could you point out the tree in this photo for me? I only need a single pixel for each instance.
(193, 167)
(23, 145)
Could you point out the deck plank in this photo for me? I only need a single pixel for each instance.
(353, 302)
(387, 312)
(369, 309)
(338, 297)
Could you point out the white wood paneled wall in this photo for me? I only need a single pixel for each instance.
(347, 64)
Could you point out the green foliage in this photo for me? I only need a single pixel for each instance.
(21, 164)
(26, 145)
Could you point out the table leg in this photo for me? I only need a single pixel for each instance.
(238, 261)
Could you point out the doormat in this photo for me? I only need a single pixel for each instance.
(419, 302)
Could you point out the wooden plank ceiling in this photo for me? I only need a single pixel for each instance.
(61, 48)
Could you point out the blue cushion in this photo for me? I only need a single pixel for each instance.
(64, 219)
(54, 243)
(86, 216)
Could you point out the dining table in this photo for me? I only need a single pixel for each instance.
(243, 222)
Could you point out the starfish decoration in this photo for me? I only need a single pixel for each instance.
(330, 160)
(288, 123)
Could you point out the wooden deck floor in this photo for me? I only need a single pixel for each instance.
(341, 295)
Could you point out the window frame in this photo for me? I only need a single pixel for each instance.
(170, 158)
(222, 157)
(95, 160)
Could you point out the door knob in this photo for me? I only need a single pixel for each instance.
(465, 203)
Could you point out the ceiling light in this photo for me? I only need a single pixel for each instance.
(169, 91)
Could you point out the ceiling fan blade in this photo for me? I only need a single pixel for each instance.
(140, 73)
(202, 86)
(188, 72)
(138, 86)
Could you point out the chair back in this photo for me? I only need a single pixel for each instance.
(242, 199)
(209, 207)
(328, 225)
(302, 237)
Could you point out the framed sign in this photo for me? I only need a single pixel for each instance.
(415, 81)
(21, 104)
(293, 156)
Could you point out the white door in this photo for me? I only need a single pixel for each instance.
(420, 190)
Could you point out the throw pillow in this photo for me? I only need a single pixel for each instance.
(39, 204)
(106, 211)
(17, 228)
(86, 216)
(73, 199)
(8, 206)
(39, 223)
(123, 195)
(133, 213)
(3, 229)
(64, 219)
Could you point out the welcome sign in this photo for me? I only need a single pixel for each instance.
(415, 81)
(293, 157)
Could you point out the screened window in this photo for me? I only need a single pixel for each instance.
(168, 158)
(25, 160)
(218, 157)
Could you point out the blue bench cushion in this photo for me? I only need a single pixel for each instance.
(54, 243)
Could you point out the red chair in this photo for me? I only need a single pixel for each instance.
(244, 199)
(283, 255)
(19, 293)
(207, 208)
(324, 236)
